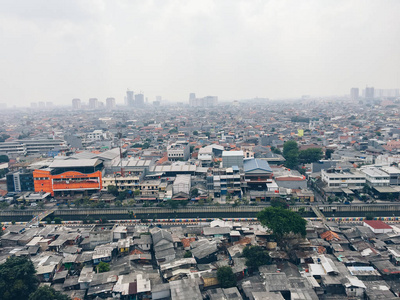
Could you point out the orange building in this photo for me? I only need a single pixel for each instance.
(68, 176)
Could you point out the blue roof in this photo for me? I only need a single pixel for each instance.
(254, 164)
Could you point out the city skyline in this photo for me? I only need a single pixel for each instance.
(55, 52)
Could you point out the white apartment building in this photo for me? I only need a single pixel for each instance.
(123, 183)
(343, 178)
(376, 177)
(96, 135)
(178, 151)
(181, 184)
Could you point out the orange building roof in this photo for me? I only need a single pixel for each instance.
(330, 235)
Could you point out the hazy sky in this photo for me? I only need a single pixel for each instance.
(59, 50)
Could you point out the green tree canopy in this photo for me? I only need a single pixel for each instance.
(282, 221)
(188, 254)
(17, 279)
(328, 153)
(3, 137)
(194, 192)
(4, 158)
(291, 154)
(47, 293)
(112, 189)
(279, 203)
(310, 155)
(103, 267)
(256, 256)
(226, 277)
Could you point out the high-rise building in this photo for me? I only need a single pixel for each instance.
(93, 103)
(139, 100)
(49, 104)
(354, 93)
(129, 99)
(369, 93)
(42, 105)
(387, 93)
(33, 105)
(110, 103)
(208, 101)
(76, 103)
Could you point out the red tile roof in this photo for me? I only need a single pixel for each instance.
(376, 224)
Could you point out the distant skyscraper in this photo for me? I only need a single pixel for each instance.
(208, 101)
(93, 103)
(386, 93)
(369, 93)
(33, 105)
(42, 104)
(76, 103)
(49, 104)
(354, 93)
(129, 98)
(139, 100)
(110, 103)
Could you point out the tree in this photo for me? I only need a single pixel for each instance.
(194, 192)
(3, 137)
(112, 189)
(276, 150)
(121, 195)
(279, 203)
(118, 203)
(17, 279)
(256, 256)
(310, 155)
(369, 217)
(195, 132)
(291, 154)
(282, 221)
(47, 293)
(4, 159)
(226, 277)
(103, 267)
(328, 153)
(173, 204)
(187, 254)
(57, 220)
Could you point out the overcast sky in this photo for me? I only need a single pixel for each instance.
(59, 50)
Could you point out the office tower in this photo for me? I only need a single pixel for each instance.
(386, 93)
(208, 101)
(49, 104)
(369, 93)
(93, 103)
(110, 103)
(42, 105)
(76, 103)
(139, 100)
(354, 93)
(192, 99)
(129, 98)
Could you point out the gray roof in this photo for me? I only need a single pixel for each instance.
(256, 164)
(70, 163)
(185, 289)
(204, 249)
(160, 235)
(216, 230)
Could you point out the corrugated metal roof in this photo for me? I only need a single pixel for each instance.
(254, 164)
